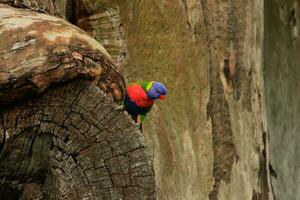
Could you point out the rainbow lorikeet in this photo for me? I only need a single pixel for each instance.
(140, 98)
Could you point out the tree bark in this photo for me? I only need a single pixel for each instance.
(281, 74)
(61, 136)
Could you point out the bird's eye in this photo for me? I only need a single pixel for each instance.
(160, 91)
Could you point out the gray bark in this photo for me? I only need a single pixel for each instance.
(282, 83)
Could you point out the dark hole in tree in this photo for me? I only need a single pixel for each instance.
(293, 18)
(226, 69)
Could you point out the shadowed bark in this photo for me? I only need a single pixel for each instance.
(61, 137)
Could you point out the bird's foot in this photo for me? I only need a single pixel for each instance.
(141, 127)
(139, 119)
(120, 107)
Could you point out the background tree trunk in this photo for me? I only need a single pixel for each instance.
(281, 73)
(61, 137)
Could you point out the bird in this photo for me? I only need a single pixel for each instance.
(140, 97)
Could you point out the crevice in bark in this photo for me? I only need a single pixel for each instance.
(2, 134)
(263, 170)
(256, 196)
(186, 14)
(223, 147)
(71, 11)
(31, 146)
(272, 171)
(226, 70)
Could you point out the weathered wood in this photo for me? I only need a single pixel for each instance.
(61, 137)
(38, 50)
(71, 143)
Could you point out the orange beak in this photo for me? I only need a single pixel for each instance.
(162, 97)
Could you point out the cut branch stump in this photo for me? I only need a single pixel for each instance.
(61, 136)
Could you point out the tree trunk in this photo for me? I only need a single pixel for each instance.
(61, 136)
(281, 73)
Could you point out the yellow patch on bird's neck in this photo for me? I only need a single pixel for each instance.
(149, 85)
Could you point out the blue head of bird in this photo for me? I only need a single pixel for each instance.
(157, 90)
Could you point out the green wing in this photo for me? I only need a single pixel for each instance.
(144, 115)
(145, 84)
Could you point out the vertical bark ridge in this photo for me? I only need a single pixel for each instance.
(224, 149)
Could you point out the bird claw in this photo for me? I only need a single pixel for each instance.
(120, 107)
(139, 119)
